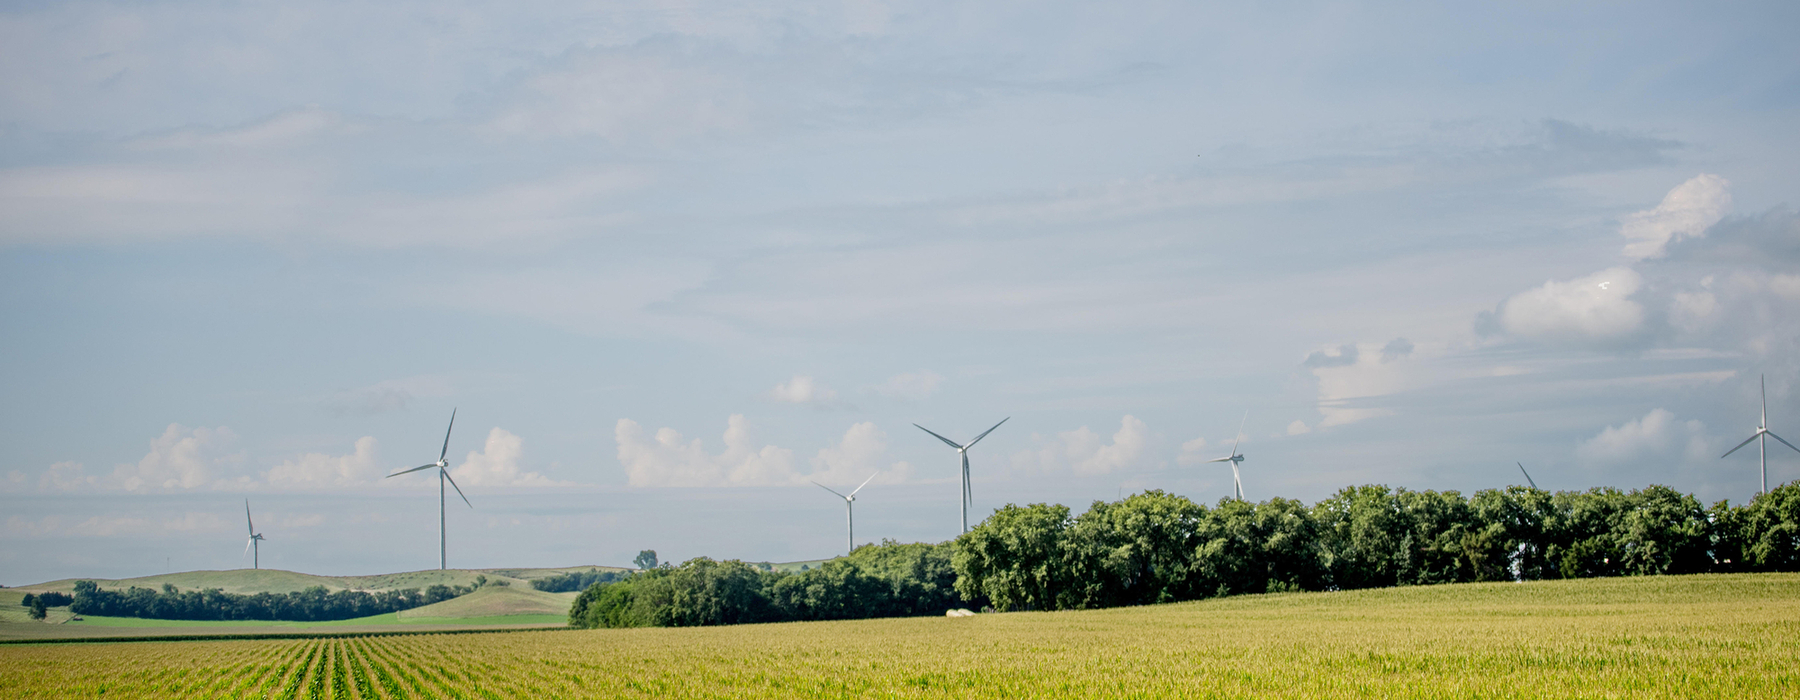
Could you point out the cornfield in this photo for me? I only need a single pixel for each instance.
(1690, 636)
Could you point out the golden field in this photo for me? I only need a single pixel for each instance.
(1685, 636)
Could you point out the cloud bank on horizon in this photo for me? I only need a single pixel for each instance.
(1414, 251)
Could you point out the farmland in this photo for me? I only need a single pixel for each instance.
(514, 604)
(1667, 636)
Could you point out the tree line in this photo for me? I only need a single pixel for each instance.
(310, 605)
(1157, 547)
(886, 580)
(576, 580)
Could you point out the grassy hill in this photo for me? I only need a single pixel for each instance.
(509, 599)
(495, 601)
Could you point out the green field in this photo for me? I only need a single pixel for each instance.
(1685, 636)
(513, 604)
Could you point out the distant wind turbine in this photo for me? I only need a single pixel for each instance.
(443, 475)
(253, 545)
(1237, 483)
(1762, 446)
(1527, 474)
(849, 516)
(963, 450)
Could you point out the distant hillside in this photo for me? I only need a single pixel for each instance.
(247, 581)
(492, 601)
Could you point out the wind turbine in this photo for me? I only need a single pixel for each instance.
(1527, 474)
(255, 539)
(443, 475)
(1237, 484)
(849, 517)
(963, 450)
(1762, 446)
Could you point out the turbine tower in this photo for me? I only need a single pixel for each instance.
(1527, 474)
(1237, 484)
(849, 516)
(443, 475)
(963, 450)
(253, 545)
(1762, 446)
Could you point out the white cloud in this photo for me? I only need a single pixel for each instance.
(1350, 374)
(1596, 309)
(497, 464)
(315, 470)
(66, 476)
(1686, 212)
(1298, 427)
(668, 460)
(1083, 450)
(804, 390)
(856, 456)
(180, 459)
(1654, 440)
(916, 386)
(1191, 453)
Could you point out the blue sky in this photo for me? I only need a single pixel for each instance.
(672, 261)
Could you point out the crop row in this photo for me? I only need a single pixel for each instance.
(1692, 636)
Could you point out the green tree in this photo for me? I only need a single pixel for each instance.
(837, 590)
(921, 575)
(1438, 527)
(1582, 534)
(1664, 532)
(1014, 558)
(1135, 551)
(38, 610)
(1361, 531)
(1292, 550)
(1766, 532)
(646, 559)
(1512, 540)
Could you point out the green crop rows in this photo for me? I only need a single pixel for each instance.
(1676, 636)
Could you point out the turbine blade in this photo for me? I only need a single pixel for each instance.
(1784, 442)
(446, 451)
(252, 523)
(1240, 433)
(989, 430)
(872, 478)
(828, 488)
(453, 485)
(968, 491)
(1741, 444)
(409, 471)
(247, 547)
(940, 437)
(1527, 474)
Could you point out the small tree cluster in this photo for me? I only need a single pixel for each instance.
(886, 580)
